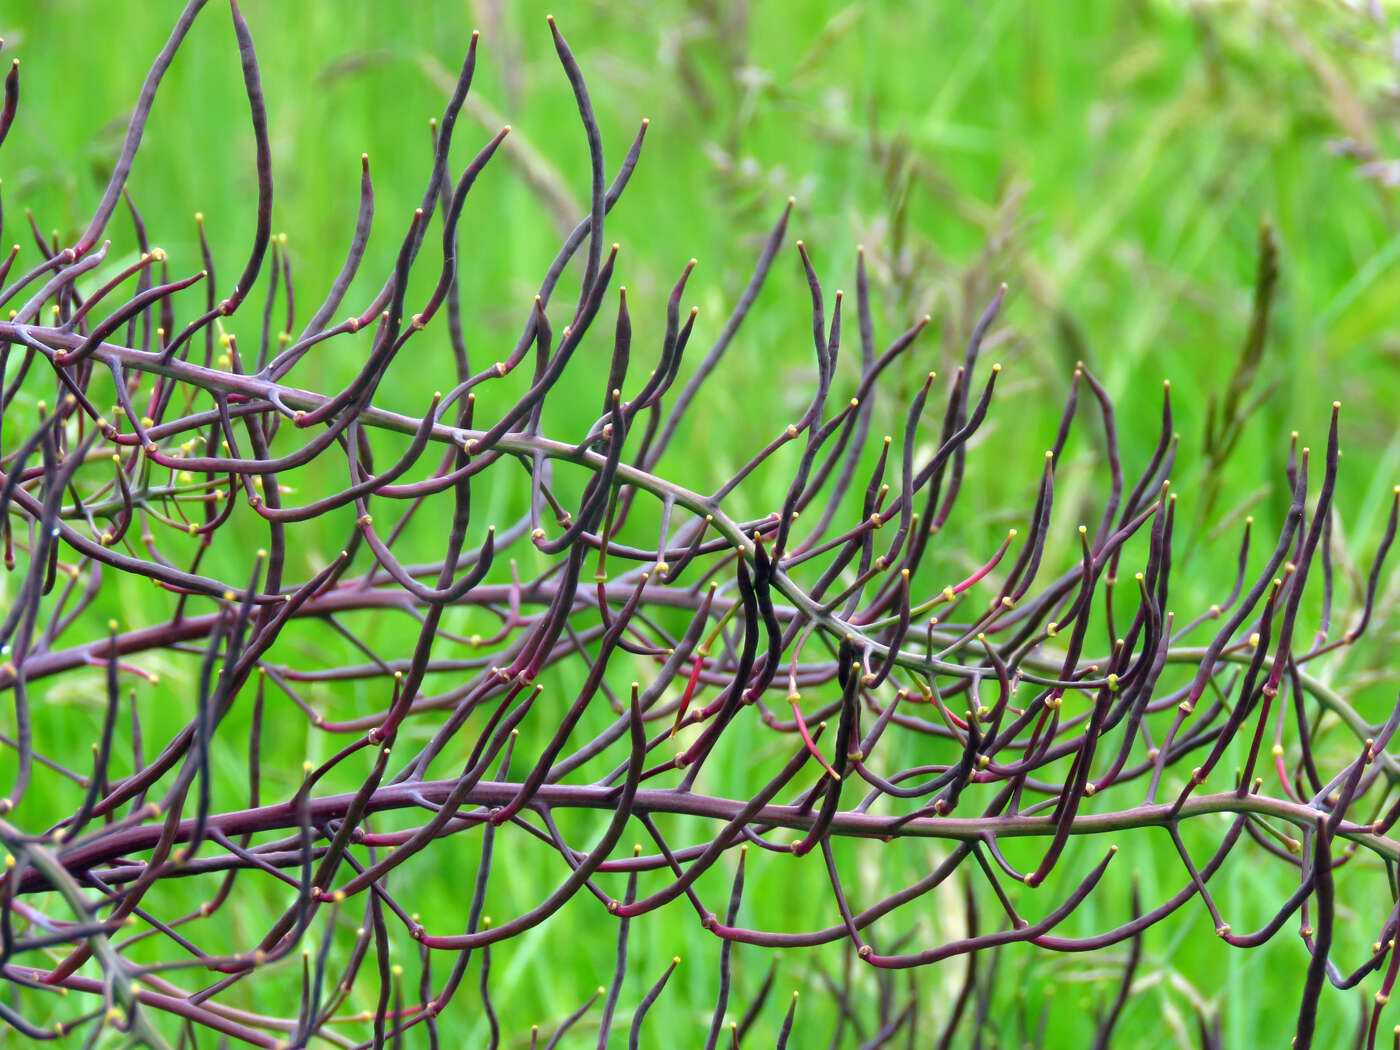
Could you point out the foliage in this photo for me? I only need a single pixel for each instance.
(738, 689)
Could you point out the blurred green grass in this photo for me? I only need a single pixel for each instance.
(1112, 162)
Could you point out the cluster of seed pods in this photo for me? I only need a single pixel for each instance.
(808, 646)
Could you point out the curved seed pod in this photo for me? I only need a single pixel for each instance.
(439, 693)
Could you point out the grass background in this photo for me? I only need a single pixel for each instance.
(1111, 161)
